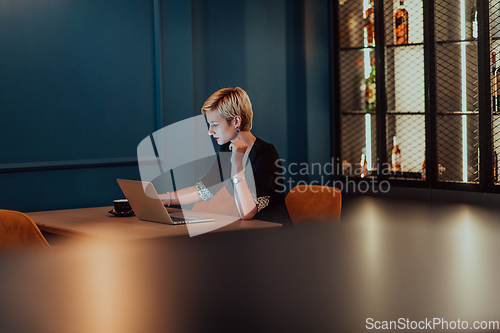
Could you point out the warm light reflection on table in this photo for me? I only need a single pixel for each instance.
(383, 261)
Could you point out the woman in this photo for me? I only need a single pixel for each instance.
(252, 164)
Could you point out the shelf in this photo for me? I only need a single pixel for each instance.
(405, 175)
(407, 113)
(403, 45)
(391, 175)
(456, 41)
(357, 113)
(357, 48)
(415, 113)
(459, 113)
(373, 47)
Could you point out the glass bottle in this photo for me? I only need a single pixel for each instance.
(396, 156)
(495, 166)
(369, 26)
(371, 89)
(493, 81)
(363, 164)
(401, 24)
(473, 20)
(346, 168)
(424, 172)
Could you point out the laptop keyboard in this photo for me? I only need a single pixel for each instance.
(178, 219)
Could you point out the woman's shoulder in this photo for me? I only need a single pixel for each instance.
(263, 151)
(263, 148)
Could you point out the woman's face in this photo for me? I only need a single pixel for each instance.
(221, 131)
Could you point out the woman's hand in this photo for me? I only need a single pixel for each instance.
(238, 148)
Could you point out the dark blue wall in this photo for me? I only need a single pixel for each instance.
(83, 82)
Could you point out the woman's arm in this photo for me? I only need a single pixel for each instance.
(242, 194)
(244, 198)
(185, 196)
(200, 192)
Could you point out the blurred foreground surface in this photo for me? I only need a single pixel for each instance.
(382, 262)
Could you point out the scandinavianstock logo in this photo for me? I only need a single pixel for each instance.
(176, 157)
(322, 175)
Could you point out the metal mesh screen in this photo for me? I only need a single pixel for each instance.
(456, 63)
(457, 94)
(494, 11)
(358, 88)
(404, 66)
(351, 24)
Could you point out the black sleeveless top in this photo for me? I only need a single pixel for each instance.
(263, 168)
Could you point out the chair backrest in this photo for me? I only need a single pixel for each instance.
(221, 203)
(18, 230)
(314, 203)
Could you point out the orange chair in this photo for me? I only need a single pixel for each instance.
(313, 203)
(18, 230)
(221, 203)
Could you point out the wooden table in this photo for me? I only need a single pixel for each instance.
(383, 262)
(98, 223)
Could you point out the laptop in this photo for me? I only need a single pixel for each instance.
(147, 205)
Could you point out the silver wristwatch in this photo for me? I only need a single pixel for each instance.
(237, 180)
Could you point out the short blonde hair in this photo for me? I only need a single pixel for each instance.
(231, 102)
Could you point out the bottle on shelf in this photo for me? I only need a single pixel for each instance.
(441, 169)
(396, 156)
(495, 166)
(424, 172)
(369, 26)
(346, 168)
(401, 28)
(473, 20)
(371, 89)
(495, 83)
(363, 164)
